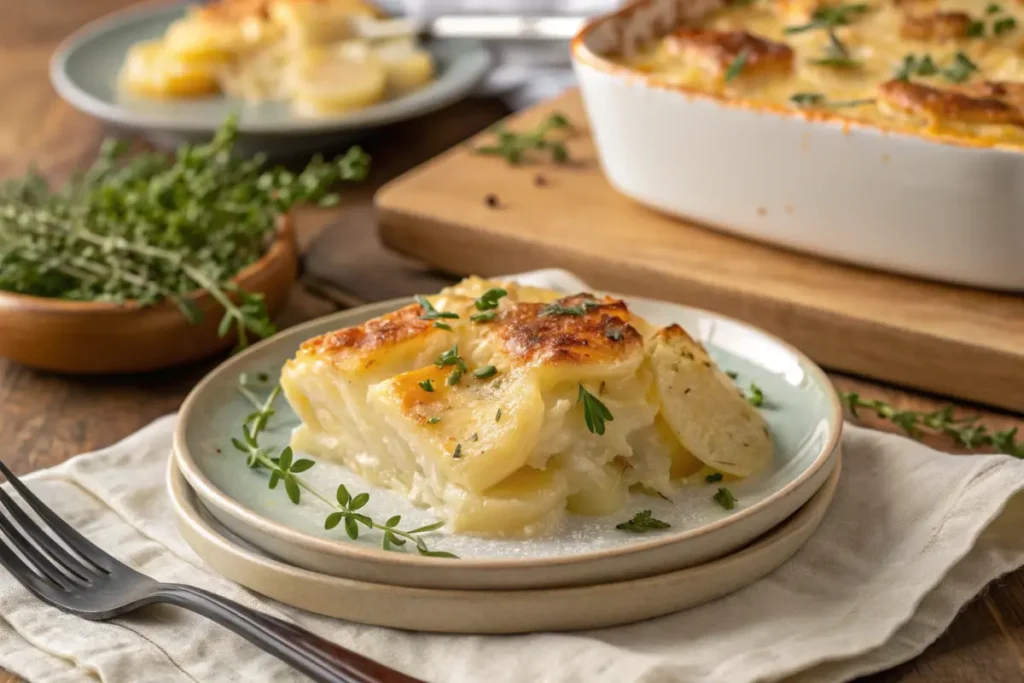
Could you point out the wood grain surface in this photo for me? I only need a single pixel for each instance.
(47, 418)
(860, 321)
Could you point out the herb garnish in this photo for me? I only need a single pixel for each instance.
(829, 17)
(427, 385)
(284, 468)
(806, 100)
(159, 227)
(451, 357)
(434, 420)
(714, 477)
(725, 498)
(485, 317)
(957, 72)
(431, 313)
(966, 431)
(560, 309)
(513, 147)
(836, 54)
(497, 415)
(736, 66)
(961, 69)
(486, 372)
(595, 413)
(975, 29)
(1004, 25)
(643, 522)
(489, 300)
(993, 8)
(756, 397)
(457, 453)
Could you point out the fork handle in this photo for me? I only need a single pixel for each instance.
(320, 659)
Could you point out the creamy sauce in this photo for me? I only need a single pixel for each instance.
(873, 40)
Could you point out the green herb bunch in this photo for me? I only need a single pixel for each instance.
(151, 227)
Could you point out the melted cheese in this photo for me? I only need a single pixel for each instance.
(879, 40)
(398, 400)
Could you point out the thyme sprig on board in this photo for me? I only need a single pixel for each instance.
(151, 227)
(516, 147)
(345, 506)
(965, 431)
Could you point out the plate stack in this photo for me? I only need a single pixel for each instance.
(588, 574)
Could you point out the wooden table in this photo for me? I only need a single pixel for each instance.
(45, 418)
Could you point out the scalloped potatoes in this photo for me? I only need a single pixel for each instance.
(948, 69)
(324, 56)
(480, 403)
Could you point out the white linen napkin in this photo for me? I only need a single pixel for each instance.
(912, 536)
(525, 72)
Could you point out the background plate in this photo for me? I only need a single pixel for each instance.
(801, 408)
(480, 612)
(84, 72)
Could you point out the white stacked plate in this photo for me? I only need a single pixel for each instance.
(587, 575)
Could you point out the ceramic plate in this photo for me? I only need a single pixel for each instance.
(801, 408)
(490, 611)
(84, 72)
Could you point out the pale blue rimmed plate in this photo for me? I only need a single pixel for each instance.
(801, 408)
(84, 72)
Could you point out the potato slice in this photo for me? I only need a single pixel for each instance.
(150, 71)
(704, 408)
(408, 67)
(332, 83)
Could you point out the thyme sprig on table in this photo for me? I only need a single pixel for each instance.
(965, 431)
(515, 147)
(345, 506)
(151, 227)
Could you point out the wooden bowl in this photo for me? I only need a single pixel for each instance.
(84, 337)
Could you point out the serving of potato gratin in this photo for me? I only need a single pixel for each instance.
(324, 56)
(951, 69)
(501, 407)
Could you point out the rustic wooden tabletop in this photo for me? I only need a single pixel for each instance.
(46, 418)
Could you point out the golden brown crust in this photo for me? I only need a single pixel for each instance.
(379, 333)
(937, 26)
(949, 105)
(540, 334)
(720, 49)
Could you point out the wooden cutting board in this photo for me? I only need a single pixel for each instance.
(949, 340)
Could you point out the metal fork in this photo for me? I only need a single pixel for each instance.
(93, 585)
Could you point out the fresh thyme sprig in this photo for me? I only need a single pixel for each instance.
(965, 431)
(155, 227)
(829, 17)
(431, 313)
(642, 522)
(515, 147)
(595, 413)
(285, 468)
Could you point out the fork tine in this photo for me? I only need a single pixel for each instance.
(40, 540)
(79, 543)
(40, 563)
(40, 586)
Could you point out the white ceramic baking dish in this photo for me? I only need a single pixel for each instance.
(842, 190)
